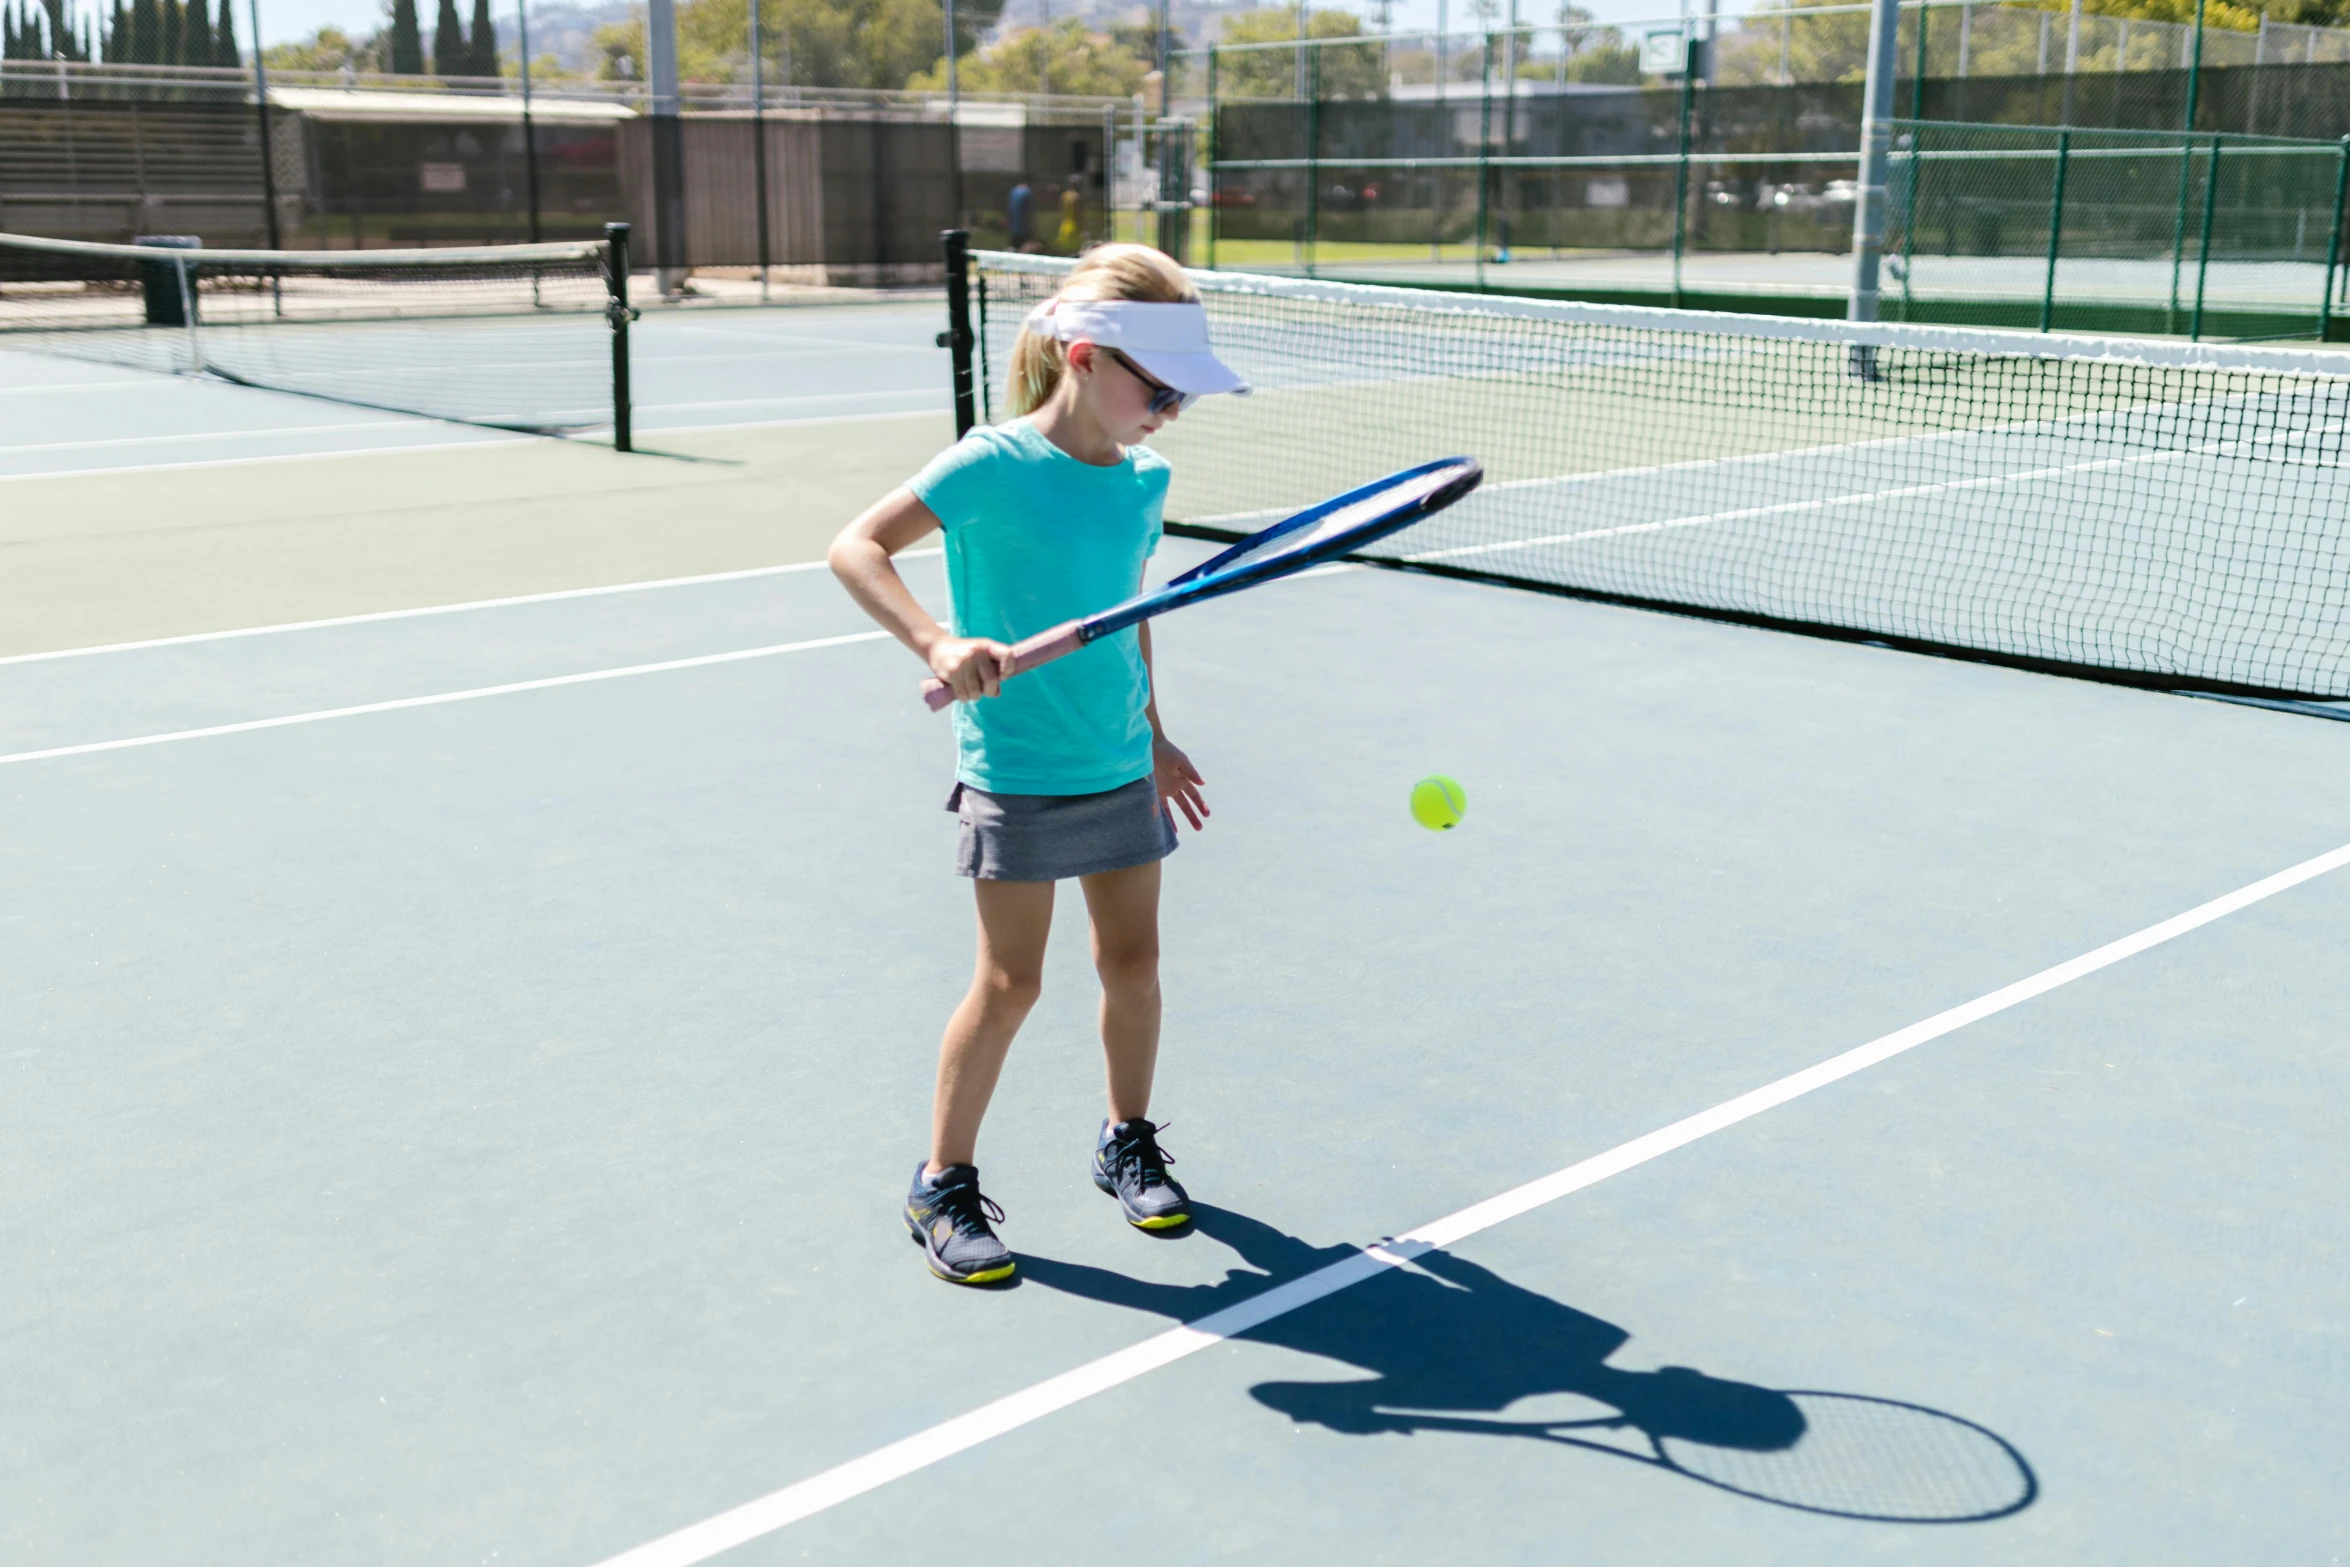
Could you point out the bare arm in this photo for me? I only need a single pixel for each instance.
(972, 667)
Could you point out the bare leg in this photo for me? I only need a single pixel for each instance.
(1125, 910)
(1015, 917)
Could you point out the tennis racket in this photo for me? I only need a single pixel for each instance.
(1319, 533)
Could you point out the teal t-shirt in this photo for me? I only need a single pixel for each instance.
(1034, 538)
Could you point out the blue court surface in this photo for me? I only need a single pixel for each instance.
(1822, 1105)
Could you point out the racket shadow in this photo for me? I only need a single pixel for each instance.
(1451, 1346)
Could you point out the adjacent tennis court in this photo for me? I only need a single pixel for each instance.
(465, 1050)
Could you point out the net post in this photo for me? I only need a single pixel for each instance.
(1689, 48)
(2203, 244)
(187, 286)
(616, 311)
(2325, 301)
(2064, 145)
(956, 339)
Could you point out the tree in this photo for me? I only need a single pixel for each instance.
(196, 34)
(448, 42)
(225, 53)
(407, 43)
(1337, 70)
(811, 43)
(1064, 58)
(483, 50)
(167, 47)
(328, 49)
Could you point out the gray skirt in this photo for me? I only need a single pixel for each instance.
(1049, 837)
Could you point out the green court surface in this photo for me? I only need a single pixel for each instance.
(472, 1129)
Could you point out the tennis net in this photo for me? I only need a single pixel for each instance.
(521, 337)
(2164, 513)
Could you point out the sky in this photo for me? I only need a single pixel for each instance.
(284, 21)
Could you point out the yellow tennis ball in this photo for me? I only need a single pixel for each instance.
(1438, 803)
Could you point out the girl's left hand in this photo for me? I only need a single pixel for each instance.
(1179, 783)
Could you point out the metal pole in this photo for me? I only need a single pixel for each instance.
(268, 161)
(530, 141)
(759, 127)
(1443, 38)
(1166, 58)
(957, 337)
(617, 313)
(1689, 62)
(1484, 150)
(1163, 227)
(1214, 117)
(1917, 79)
(1509, 131)
(1868, 207)
(1313, 154)
(2325, 301)
(1301, 48)
(2064, 147)
(2203, 257)
(1909, 217)
(668, 144)
(2194, 71)
(2259, 59)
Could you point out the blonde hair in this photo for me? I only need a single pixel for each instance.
(1105, 272)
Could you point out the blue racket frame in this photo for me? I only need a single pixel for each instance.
(1214, 576)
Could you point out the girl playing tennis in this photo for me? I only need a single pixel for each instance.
(1065, 772)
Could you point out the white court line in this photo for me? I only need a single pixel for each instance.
(799, 397)
(699, 1542)
(487, 438)
(400, 703)
(387, 422)
(438, 609)
(45, 390)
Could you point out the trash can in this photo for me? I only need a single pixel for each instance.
(160, 284)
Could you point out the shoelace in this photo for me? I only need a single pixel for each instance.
(964, 1205)
(1141, 1152)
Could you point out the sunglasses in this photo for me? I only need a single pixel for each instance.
(1164, 398)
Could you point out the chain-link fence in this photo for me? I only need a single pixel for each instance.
(2055, 228)
(1467, 165)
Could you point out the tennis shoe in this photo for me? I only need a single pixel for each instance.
(1129, 1164)
(951, 1221)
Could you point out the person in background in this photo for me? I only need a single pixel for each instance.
(1071, 238)
(1020, 217)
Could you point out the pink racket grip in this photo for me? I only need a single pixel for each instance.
(1042, 648)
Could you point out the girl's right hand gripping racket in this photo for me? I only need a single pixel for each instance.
(1336, 527)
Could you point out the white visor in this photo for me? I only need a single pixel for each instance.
(1170, 342)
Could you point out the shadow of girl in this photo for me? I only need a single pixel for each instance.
(1451, 1345)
